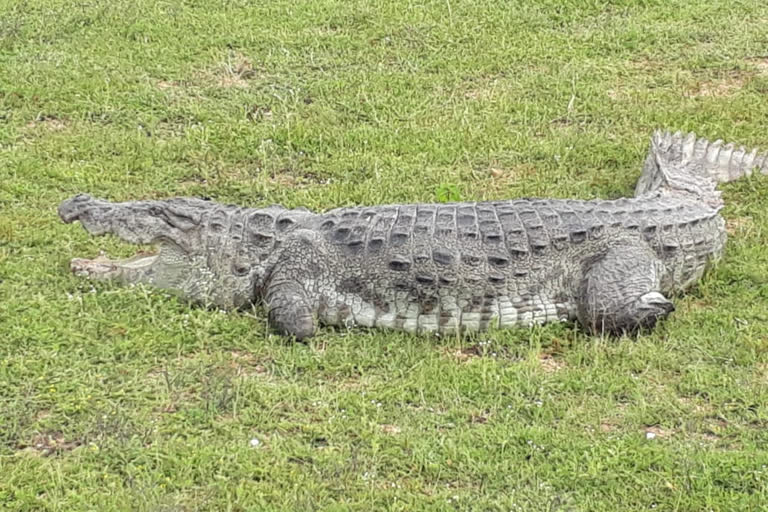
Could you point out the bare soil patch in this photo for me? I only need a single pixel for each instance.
(391, 429)
(247, 365)
(550, 364)
(47, 122)
(761, 63)
(234, 71)
(45, 444)
(719, 87)
(654, 431)
(739, 226)
(168, 84)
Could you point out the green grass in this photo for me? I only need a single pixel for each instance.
(123, 399)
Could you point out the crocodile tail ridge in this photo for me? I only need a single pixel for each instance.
(683, 161)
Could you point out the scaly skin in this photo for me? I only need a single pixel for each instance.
(439, 267)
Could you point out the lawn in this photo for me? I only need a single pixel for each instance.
(116, 398)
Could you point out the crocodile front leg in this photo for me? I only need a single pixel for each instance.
(620, 291)
(290, 308)
(291, 294)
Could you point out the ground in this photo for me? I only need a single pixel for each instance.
(123, 399)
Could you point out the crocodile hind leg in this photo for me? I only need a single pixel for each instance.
(290, 293)
(620, 291)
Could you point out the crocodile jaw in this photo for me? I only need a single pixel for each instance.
(101, 267)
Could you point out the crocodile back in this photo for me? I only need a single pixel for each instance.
(427, 266)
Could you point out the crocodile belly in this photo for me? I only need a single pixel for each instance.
(446, 313)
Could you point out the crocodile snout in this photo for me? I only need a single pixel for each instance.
(71, 209)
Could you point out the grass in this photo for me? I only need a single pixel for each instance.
(123, 399)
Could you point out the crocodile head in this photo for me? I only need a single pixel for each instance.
(200, 252)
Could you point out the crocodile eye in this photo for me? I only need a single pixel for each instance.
(155, 211)
(241, 269)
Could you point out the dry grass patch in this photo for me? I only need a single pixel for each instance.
(550, 364)
(480, 418)
(709, 433)
(172, 379)
(710, 438)
(477, 350)
(505, 176)
(245, 364)
(351, 383)
(718, 88)
(47, 123)
(710, 430)
(258, 113)
(235, 71)
(496, 179)
(761, 63)
(45, 444)
(281, 174)
(611, 423)
(655, 431)
(761, 373)
(739, 226)
(286, 178)
(647, 65)
(615, 94)
(245, 172)
(297, 176)
(696, 406)
(164, 85)
(390, 429)
(463, 355)
(484, 89)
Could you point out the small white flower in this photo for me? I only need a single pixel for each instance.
(650, 435)
(255, 442)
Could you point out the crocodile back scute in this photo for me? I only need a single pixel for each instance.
(427, 266)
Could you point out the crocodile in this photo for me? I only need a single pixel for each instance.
(611, 265)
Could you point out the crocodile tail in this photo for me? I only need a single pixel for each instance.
(683, 161)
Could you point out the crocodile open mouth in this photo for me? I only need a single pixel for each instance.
(102, 267)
